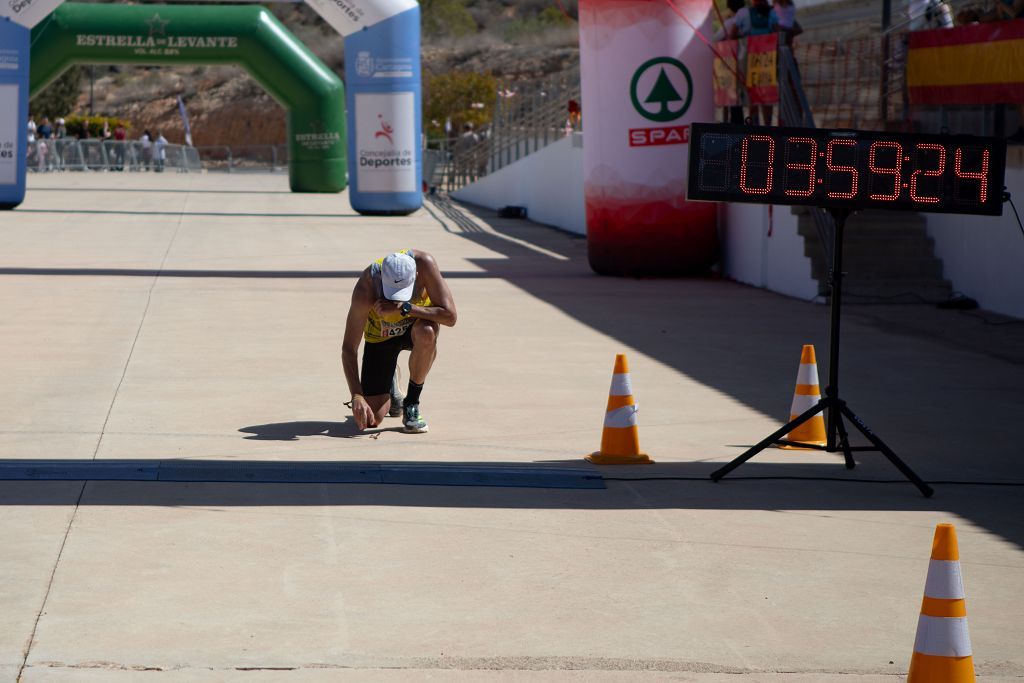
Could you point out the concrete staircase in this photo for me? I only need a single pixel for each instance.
(887, 257)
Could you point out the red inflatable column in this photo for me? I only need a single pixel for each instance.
(645, 77)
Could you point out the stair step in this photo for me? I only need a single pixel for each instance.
(905, 291)
(920, 270)
(888, 256)
(858, 253)
(806, 226)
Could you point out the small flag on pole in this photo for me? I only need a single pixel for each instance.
(184, 120)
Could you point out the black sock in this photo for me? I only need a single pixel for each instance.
(413, 395)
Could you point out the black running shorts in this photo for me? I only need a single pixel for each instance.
(379, 362)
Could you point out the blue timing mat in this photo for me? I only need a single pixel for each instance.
(423, 474)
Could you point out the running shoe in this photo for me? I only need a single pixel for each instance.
(397, 397)
(413, 421)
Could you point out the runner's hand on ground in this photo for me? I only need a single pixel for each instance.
(362, 413)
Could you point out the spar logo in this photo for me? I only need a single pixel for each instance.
(385, 130)
(661, 90)
(658, 87)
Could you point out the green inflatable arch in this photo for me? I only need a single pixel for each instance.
(246, 35)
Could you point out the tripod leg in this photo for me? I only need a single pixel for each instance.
(926, 490)
(769, 440)
(844, 441)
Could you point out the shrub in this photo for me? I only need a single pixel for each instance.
(76, 124)
(452, 96)
(527, 27)
(447, 18)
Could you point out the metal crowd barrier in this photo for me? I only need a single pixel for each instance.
(71, 154)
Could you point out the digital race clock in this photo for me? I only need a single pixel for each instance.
(848, 169)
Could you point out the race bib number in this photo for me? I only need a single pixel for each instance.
(395, 329)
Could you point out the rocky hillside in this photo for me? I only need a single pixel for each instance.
(511, 40)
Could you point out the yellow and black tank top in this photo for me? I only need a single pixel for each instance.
(379, 328)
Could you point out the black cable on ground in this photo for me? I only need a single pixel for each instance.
(840, 479)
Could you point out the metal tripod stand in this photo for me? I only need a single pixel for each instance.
(837, 438)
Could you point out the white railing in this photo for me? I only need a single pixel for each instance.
(528, 116)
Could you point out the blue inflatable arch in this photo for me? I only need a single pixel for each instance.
(383, 98)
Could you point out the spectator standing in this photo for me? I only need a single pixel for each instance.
(733, 114)
(757, 20)
(928, 14)
(43, 135)
(465, 147)
(575, 115)
(45, 130)
(146, 142)
(59, 133)
(105, 138)
(120, 142)
(31, 149)
(160, 151)
(785, 15)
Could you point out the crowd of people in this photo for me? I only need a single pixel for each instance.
(745, 18)
(1000, 11)
(759, 17)
(47, 146)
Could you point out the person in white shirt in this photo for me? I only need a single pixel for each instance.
(146, 141)
(160, 151)
(927, 14)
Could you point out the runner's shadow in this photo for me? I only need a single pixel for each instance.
(291, 431)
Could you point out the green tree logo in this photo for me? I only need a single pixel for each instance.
(660, 103)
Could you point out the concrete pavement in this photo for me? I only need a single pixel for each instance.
(199, 317)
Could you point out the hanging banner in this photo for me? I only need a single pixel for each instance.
(645, 76)
(726, 67)
(763, 69)
(973, 64)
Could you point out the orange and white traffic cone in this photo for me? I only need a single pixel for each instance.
(942, 649)
(620, 441)
(806, 396)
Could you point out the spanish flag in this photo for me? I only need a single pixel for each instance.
(974, 64)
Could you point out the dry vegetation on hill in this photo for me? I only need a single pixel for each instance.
(510, 40)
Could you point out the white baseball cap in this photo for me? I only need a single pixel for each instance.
(398, 276)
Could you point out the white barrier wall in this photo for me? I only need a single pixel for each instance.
(765, 252)
(549, 183)
(984, 256)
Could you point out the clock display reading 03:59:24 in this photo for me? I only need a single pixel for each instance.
(847, 169)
